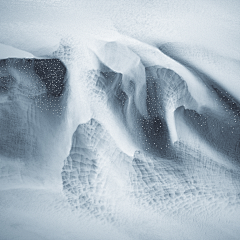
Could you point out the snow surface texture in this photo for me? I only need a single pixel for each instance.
(119, 120)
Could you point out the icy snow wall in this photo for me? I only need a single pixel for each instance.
(119, 120)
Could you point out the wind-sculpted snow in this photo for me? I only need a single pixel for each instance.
(119, 120)
(172, 172)
(174, 179)
(191, 183)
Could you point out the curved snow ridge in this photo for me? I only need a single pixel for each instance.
(165, 91)
(176, 99)
(171, 91)
(108, 101)
(213, 128)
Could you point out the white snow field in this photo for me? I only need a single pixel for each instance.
(119, 120)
